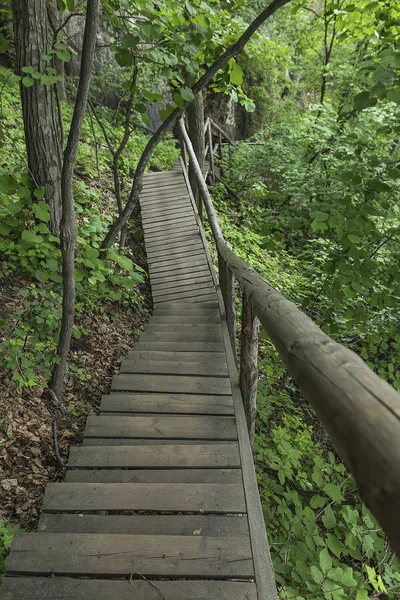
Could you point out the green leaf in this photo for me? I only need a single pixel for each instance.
(27, 82)
(329, 519)
(363, 100)
(63, 55)
(165, 112)
(334, 492)
(355, 239)
(334, 544)
(362, 595)
(31, 237)
(4, 229)
(42, 211)
(320, 216)
(393, 96)
(316, 573)
(48, 79)
(325, 560)
(124, 57)
(317, 501)
(236, 74)
(186, 94)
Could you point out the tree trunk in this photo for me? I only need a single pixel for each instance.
(55, 22)
(68, 222)
(195, 119)
(39, 109)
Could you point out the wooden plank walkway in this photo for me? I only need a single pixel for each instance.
(160, 501)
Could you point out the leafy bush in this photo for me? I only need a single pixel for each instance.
(7, 532)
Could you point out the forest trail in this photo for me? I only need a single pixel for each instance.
(161, 500)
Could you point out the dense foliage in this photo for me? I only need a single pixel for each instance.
(311, 201)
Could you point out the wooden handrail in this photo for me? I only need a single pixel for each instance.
(359, 410)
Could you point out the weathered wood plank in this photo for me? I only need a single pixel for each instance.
(159, 214)
(108, 554)
(160, 497)
(60, 588)
(180, 285)
(168, 225)
(183, 384)
(176, 239)
(182, 274)
(182, 334)
(177, 307)
(204, 427)
(154, 456)
(169, 266)
(171, 231)
(192, 245)
(174, 368)
(171, 346)
(221, 476)
(101, 441)
(167, 403)
(182, 327)
(213, 357)
(195, 293)
(204, 525)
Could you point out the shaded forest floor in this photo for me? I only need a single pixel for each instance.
(27, 457)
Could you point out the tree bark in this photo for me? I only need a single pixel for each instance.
(68, 222)
(169, 123)
(195, 119)
(55, 24)
(39, 108)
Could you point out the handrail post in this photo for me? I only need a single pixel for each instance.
(211, 150)
(249, 363)
(227, 286)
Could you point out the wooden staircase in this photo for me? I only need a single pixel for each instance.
(161, 500)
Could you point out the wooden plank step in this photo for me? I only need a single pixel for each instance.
(204, 525)
(159, 215)
(221, 476)
(162, 191)
(180, 274)
(204, 427)
(167, 403)
(180, 346)
(174, 368)
(168, 225)
(180, 284)
(192, 244)
(113, 554)
(182, 335)
(118, 441)
(183, 384)
(184, 318)
(219, 456)
(169, 267)
(179, 258)
(156, 497)
(211, 357)
(197, 294)
(184, 305)
(182, 239)
(171, 231)
(60, 588)
(195, 328)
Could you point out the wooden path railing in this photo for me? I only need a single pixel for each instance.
(360, 411)
(215, 137)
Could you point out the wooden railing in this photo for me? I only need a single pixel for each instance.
(215, 137)
(360, 411)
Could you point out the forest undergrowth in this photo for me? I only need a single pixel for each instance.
(107, 322)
